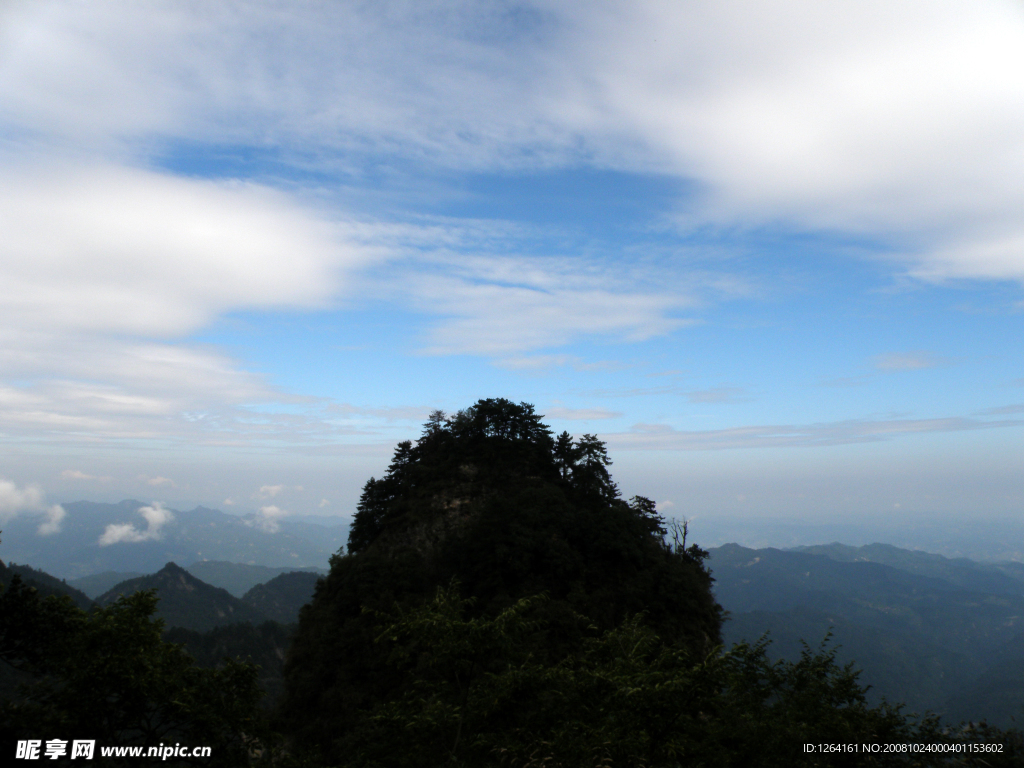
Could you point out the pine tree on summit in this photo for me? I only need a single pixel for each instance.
(488, 500)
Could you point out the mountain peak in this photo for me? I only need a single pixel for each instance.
(186, 601)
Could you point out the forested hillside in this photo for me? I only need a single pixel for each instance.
(934, 633)
(185, 601)
(42, 581)
(281, 598)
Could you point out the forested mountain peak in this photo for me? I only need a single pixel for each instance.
(489, 503)
(431, 485)
(186, 601)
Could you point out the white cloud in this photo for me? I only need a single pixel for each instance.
(158, 481)
(116, 250)
(14, 499)
(332, 74)
(144, 390)
(269, 490)
(101, 261)
(75, 474)
(29, 499)
(895, 120)
(899, 121)
(888, 119)
(267, 519)
(55, 515)
(156, 516)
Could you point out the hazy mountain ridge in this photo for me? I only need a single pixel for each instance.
(186, 601)
(997, 578)
(44, 582)
(186, 537)
(281, 598)
(928, 641)
(98, 583)
(240, 578)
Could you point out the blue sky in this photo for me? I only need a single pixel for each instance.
(772, 253)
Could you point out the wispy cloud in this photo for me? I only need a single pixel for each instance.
(76, 474)
(908, 361)
(416, 413)
(664, 437)
(503, 306)
(847, 381)
(1003, 410)
(156, 516)
(547, 362)
(718, 395)
(670, 373)
(894, 124)
(794, 112)
(580, 414)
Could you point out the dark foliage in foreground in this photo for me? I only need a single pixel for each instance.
(264, 645)
(44, 583)
(477, 696)
(109, 675)
(281, 598)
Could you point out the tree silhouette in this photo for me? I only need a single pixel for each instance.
(487, 497)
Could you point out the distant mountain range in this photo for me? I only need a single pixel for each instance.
(240, 578)
(187, 602)
(190, 603)
(95, 538)
(941, 634)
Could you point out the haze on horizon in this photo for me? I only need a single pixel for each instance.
(771, 253)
